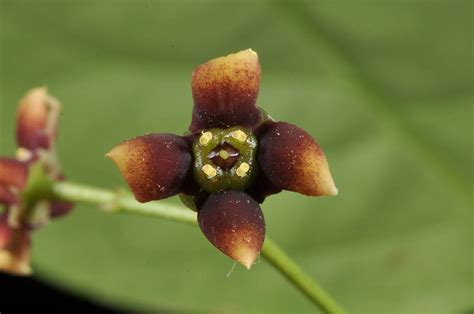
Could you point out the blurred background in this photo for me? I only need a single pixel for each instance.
(384, 86)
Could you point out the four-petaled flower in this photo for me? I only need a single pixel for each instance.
(35, 160)
(233, 156)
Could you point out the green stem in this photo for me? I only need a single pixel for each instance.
(288, 268)
(115, 201)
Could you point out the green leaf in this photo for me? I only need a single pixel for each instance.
(385, 87)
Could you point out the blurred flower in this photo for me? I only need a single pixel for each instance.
(25, 208)
(233, 156)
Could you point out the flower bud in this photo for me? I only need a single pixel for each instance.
(37, 118)
(26, 181)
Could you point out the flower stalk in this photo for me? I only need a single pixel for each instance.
(121, 202)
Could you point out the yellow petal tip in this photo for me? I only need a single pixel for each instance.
(247, 257)
(253, 52)
(14, 265)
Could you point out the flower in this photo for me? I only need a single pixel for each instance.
(233, 156)
(35, 164)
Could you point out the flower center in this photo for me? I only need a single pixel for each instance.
(225, 159)
(224, 156)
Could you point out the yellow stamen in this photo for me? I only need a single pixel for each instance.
(224, 154)
(22, 154)
(239, 135)
(209, 170)
(242, 170)
(205, 138)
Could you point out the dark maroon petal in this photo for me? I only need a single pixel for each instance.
(37, 118)
(154, 165)
(262, 187)
(225, 91)
(6, 195)
(13, 172)
(292, 160)
(14, 247)
(59, 209)
(190, 186)
(233, 222)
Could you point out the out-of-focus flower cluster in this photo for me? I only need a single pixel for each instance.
(24, 179)
(233, 156)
